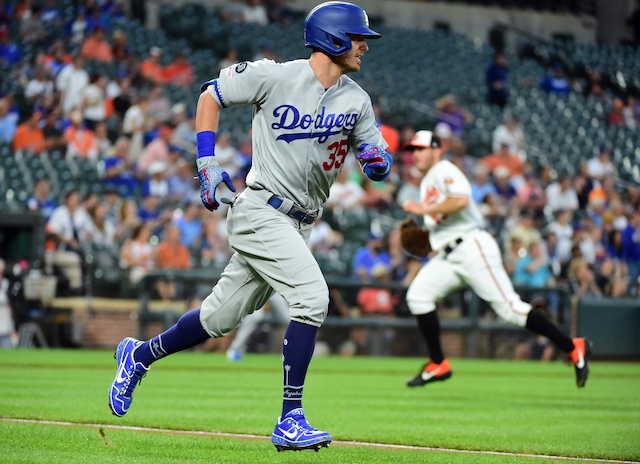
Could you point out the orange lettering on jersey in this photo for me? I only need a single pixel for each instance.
(448, 181)
(430, 197)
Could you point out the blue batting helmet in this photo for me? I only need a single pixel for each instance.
(329, 24)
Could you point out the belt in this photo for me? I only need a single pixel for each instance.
(295, 212)
(451, 246)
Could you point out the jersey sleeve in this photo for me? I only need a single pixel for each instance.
(366, 130)
(242, 83)
(453, 182)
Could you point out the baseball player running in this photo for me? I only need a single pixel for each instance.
(308, 115)
(466, 254)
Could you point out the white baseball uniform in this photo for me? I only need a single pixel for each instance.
(302, 134)
(467, 254)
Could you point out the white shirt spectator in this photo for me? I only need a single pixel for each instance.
(61, 223)
(71, 82)
(94, 103)
(558, 199)
(345, 194)
(514, 138)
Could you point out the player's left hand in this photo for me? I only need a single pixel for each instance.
(210, 176)
(377, 162)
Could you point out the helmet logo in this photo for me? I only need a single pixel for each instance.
(366, 18)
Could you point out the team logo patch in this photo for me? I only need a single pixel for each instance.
(240, 67)
(448, 181)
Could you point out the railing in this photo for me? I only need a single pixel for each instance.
(474, 318)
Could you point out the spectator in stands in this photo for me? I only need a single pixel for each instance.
(171, 254)
(266, 51)
(480, 186)
(70, 82)
(57, 58)
(40, 86)
(103, 142)
(137, 253)
(582, 279)
(8, 122)
(279, 12)
(128, 219)
(451, 113)
(51, 13)
(41, 202)
(557, 82)
(505, 192)
(561, 195)
(496, 79)
(119, 91)
(510, 133)
(100, 231)
(29, 137)
(524, 230)
(563, 230)
(119, 48)
(611, 278)
(156, 184)
(158, 149)
(230, 58)
(458, 155)
(410, 188)
(134, 125)
(80, 140)
(68, 225)
(444, 133)
(389, 133)
(214, 246)
(94, 108)
(151, 68)
(404, 267)
(345, 194)
(323, 238)
(630, 239)
(531, 194)
(616, 115)
(78, 27)
(226, 152)
(53, 135)
(179, 71)
(366, 258)
(594, 87)
(159, 106)
(505, 157)
(254, 12)
(31, 28)
(232, 11)
(184, 137)
(8, 333)
(190, 225)
(9, 51)
(181, 183)
(532, 269)
(120, 172)
(96, 48)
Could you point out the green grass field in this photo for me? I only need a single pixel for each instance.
(488, 406)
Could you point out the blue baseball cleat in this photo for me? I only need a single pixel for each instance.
(294, 433)
(129, 374)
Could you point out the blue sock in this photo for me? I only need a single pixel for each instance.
(297, 349)
(186, 333)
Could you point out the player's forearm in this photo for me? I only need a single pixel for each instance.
(207, 113)
(448, 206)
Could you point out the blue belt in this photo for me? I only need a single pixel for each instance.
(297, 213)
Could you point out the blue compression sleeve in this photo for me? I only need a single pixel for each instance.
(206, 143)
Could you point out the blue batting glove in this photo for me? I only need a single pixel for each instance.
(377, 162)
(210, 176)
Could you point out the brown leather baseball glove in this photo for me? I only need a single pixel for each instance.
(414, 239)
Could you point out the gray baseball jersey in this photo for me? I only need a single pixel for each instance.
(301, 132)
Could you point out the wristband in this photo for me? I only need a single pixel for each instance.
(206, 143)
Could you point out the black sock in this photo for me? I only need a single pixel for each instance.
(540, 324)
(429, 326)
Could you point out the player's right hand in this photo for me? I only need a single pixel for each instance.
(210, 176)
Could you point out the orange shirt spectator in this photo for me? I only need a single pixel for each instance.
(29, 136)
(178, 72)
(151, 68)
(392, 137)
(504, 157)
(171, 253)
(96, 48)
(80, 141)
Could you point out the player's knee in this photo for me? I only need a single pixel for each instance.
(313, 308)
(515, 314)
(418, 304)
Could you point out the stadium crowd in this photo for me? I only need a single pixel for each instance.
(581, 231)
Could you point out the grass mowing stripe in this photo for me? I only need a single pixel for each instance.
(101, 428)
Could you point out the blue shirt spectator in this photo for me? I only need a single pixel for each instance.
(8, 122)
(190, 225)
(496, 78)
(9, 51)
(367, 257)
(532, 269)
(556, 83)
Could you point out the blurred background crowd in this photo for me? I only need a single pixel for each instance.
(97, 135)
